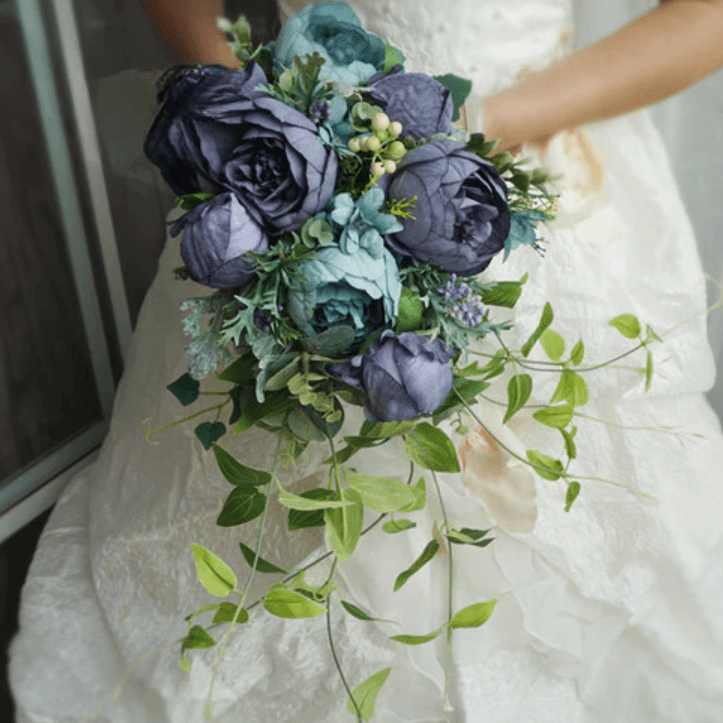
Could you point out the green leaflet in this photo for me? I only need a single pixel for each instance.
(578, 353)
(261, 564)
(381, 494)
(627, 324)
(431, 448)
(519, 389)
(416, 639)
(237, 473)
(545, 321)
(227, 612)
(394, 526)
(343, 526)
(553, 344)
(307, 503)
(215, 575)
(459, 90)
(556, 417)
(185, 389)
(473, 615)
(244, 504)
(210, 432)
(197, 638)
(427, 554)
(572, 388)
(573, 490)
(365, 695)
(299, 519)
(546, 467)
(285, 603)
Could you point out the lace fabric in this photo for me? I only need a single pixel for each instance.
(606, 614)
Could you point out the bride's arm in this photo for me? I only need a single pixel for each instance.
(659, 54)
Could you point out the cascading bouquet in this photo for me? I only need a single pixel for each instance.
(343, 220)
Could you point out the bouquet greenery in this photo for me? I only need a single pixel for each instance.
(343, 221)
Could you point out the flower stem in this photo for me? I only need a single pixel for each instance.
(244, 593)
(333, 651)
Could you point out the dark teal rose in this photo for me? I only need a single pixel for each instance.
(354, 282)
(334, 31)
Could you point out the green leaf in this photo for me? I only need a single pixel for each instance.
(386, 430)
(573, 490)
(553, 468)
(473, 615)
(411, 310)
(570, 446)
(279, 379)
(578, 353)
(215, 575)
(306, 503)
(331, 342)
(261, 564)
(420, 493)
(210, 432)
(242, 505)
(519, 389)
(416, 639)
(241, 371)
(302, 426)
(227, 612)
(467, 536)
(556, 417)
(627, 324)
(237, 473)
(427, 554)
(459, 90)
(381, 494)
(572, 388)
(545, 321)
(392, 57)
(431, 448)
(365, 695)
(356, 612)
(553, 344)
(649, 331)
(648, 369)
(503, 293)
(254, 411)
(394, 526)
(197, 638)
(343, 527)
(185, 389)
(285, 603)
(299, 519)
(185, 664)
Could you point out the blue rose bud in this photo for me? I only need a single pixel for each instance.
(422, 104)
(461, 218)
(218, 235)
(334, 31)
(403, 376)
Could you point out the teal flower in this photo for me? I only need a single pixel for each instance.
(354, 282)
(334, 31)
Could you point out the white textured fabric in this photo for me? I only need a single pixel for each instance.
(608, 614)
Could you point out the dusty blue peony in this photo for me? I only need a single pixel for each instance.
(218, 134)
(403, 376)
(353, 283)
(334, 31)
(419, 102)
(461, 218)
(218, 235)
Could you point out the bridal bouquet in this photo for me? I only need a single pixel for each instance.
(343, 220)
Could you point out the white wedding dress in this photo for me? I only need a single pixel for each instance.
(611, 613)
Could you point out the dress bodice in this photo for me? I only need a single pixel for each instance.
(493, 43)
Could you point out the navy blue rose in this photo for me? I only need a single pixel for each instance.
(419, 102)
(224, 136)
(403, 376)
(217, 238)
(461, 218)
